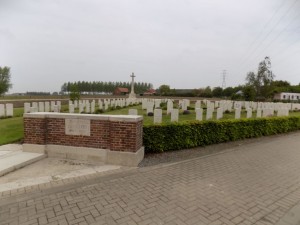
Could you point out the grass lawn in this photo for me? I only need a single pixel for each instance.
(11, 130)
(148, 120)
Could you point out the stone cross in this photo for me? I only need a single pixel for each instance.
(132, 83)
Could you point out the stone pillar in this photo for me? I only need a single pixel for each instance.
(132, 94)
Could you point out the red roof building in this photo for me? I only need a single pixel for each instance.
(150, 92)
(121, 91)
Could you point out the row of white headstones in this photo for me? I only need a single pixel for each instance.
(152, 105)
(6, 110)
(262, 109)
(83, 106)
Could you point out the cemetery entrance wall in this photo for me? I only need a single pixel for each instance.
(96, 138)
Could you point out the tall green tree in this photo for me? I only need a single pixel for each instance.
(249, 93)
(5, 83)
(262, 80)
(164, 89)
(74, 92)
(217, 92)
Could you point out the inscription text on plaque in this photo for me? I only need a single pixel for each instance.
(78, 127)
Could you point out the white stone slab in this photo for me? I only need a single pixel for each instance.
(2, 110)
(157, 116)
(41, 107)
(249, 113)
(47, 106)
(174, 115)
(258, 113)
(219, 113)
(78, 127)
(26, 107)
(9, 109)
(199, 114)
(209, 113)
(133, 112)
(71, 108)
(237, 113)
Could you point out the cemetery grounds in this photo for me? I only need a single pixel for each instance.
(11, 129)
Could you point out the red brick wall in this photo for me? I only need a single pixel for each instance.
(104, 134)
(34, 130)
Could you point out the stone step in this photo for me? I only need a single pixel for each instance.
(11, 161)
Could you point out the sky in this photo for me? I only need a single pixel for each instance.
(184, 43)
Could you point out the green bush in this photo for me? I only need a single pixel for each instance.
(160, 138)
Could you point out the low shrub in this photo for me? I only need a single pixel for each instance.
(166, 137)
(99, 111)
(186, 112)
(150, 114)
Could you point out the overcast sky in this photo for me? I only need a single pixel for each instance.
(182, 43)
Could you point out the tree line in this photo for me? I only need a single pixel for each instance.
(104, 87)
(5, 83)
(259, 86)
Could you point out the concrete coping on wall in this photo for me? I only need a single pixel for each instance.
(117, 118)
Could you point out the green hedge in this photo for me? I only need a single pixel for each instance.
(159, 138)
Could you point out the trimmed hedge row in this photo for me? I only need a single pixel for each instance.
(159, 138)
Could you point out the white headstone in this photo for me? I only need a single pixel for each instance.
(219, 113)
(268, 112)
(249, 113)
(87, 107)
(58, 103)
(56, 108)
(237, 113)
(35, 105)
(198, 104)
(2, 110)
(41, 107)
(169, 106)
(47, 106)
(184, 105)
(157, 116)
(80, 108)
(174, 115)
(150, 108)
(209, 113)
(33, 109)
(52, 106)
(71, 108)
(157, 103)
(199, 114)
(93, 107)
(100, 104)
(106, 105)
(133, 112)
(258, 113)
(26, 107)
(9, 110)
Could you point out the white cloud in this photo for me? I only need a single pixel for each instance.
(182, 43)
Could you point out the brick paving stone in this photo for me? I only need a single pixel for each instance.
(256, 183)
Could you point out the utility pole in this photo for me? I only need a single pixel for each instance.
(224, 79)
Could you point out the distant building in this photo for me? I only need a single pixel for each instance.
(287, 96)
(240, 92)
(121, 91)
(150, 92)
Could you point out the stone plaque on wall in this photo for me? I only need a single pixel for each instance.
(78, 127)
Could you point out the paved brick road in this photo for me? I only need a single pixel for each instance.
(252, 184)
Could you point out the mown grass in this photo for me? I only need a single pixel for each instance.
(11, 130)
